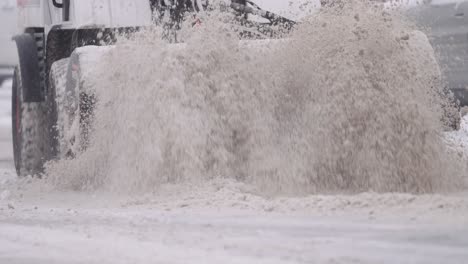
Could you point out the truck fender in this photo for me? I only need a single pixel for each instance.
(29, 64)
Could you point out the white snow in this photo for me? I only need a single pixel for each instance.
(459, 139)
(223, 222)
(59, 235)
(226, 225)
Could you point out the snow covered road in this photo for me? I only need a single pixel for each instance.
(47, 235)
(221, 224)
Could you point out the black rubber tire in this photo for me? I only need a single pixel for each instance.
(30, 135)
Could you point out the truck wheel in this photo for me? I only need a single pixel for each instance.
(29, 127)
(59, 104)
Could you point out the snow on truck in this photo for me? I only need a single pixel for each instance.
(50, 109)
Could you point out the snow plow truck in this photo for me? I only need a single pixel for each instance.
(47, 101)
(51, 110)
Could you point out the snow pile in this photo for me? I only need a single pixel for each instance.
(229, 195)
(351, 102)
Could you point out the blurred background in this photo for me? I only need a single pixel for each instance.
(8, 58)
(8, 29)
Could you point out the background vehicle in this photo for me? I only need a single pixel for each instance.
(8, 56)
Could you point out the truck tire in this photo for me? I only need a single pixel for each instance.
(29, 127)
(59, 105)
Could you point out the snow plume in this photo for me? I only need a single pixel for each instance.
(350, 102)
